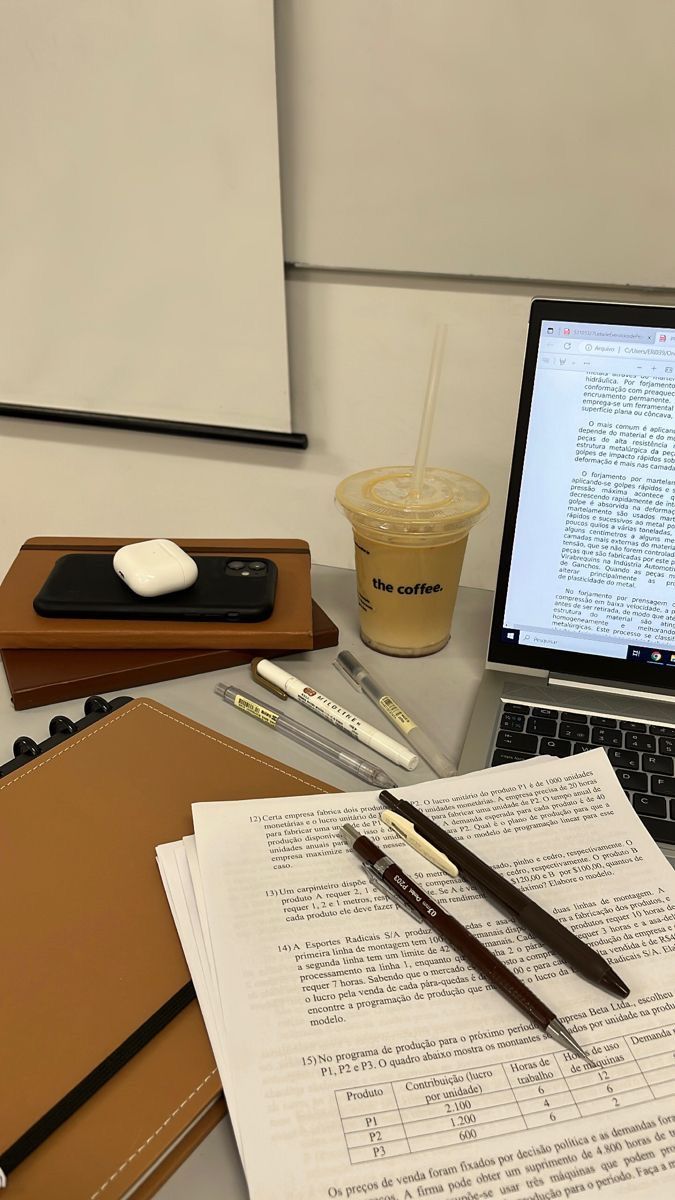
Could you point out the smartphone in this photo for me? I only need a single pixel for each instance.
(226, 589)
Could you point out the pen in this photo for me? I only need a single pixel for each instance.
(388, 876)
(354, 671)
(582, 958)
(330, 711)
(364, 770)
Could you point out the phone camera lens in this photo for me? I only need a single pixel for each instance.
(235, 564)
(257, 566)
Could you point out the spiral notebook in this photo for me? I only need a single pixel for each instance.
(107, 1076)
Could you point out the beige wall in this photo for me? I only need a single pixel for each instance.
(359, 352)
(501, 138)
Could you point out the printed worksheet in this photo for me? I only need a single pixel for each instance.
(365, 1058)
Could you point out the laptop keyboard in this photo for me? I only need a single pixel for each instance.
(643, 755)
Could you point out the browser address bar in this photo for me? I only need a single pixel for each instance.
(624, 350)
(648, 352)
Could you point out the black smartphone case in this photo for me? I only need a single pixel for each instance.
(86, 585)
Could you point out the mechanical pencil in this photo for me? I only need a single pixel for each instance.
(386, 875)
(304, 736)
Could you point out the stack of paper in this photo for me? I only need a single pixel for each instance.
(361, 1056)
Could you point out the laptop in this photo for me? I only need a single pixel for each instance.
(582, 641)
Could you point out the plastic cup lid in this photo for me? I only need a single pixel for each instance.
(381, 498)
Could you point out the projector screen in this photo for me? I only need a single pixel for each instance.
(140, 221)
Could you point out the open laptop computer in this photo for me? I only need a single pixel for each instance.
(584, 610)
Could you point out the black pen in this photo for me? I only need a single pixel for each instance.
(390, 879)
(582, 958)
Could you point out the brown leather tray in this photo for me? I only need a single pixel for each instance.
(38, 677)
(289, 627)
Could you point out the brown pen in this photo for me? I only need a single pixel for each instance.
(386, 875)
(582, 958)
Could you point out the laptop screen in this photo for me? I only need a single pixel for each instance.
(587, 575)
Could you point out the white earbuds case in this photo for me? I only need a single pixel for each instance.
(155, 568)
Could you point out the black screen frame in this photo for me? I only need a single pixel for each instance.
(564, 662)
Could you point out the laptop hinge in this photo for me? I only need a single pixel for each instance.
(610, 688)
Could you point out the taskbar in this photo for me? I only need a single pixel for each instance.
(655, 656)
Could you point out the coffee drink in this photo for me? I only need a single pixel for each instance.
(409, 549)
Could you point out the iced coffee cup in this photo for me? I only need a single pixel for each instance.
(409, 548)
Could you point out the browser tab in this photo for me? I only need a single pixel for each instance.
(615, 333)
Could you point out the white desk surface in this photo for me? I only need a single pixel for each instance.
(439, 690)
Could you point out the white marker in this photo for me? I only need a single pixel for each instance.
(330, 711)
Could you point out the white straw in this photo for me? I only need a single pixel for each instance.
(428, 413)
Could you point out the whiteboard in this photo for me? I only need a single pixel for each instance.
(498, 138)
(140, 216)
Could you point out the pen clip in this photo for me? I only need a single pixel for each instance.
(400, 833)
(265, 683)
(382, 886)
(346, 674)
(407, 832)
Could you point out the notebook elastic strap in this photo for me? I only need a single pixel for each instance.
(87, 1087)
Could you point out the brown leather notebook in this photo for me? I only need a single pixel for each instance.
(90, 952)
(38, 677)
(289, 627)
